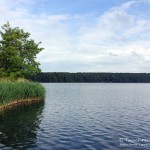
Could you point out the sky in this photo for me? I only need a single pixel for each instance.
(85, 35)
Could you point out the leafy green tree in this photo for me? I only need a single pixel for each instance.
(18, 53)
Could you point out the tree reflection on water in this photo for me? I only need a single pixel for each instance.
(18, 126)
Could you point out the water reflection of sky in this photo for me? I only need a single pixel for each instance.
(80, 116)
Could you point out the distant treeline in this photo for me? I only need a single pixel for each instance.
(92, 77)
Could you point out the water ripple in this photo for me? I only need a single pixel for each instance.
(81, 116)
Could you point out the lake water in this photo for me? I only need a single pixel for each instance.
(86, 116)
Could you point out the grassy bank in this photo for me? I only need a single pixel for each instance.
(20, 91)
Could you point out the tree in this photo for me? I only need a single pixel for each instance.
(18, 53)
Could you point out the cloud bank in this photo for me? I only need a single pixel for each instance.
(116, 40)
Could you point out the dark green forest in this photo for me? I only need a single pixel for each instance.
(65, 77)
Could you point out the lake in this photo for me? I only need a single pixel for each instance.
(81, 116)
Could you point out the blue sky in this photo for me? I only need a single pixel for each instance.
(75, 6)
(85, 35)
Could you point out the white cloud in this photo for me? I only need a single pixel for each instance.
(117, 40)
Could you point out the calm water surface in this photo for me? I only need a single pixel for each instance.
(83, 116)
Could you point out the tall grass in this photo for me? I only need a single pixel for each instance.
(12, 91)
(13, 80)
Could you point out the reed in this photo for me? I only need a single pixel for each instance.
(19, 91)
(13, 80)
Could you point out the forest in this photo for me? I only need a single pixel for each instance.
(66, 77)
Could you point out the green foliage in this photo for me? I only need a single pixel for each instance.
(92, 77)
(13, 80)
(17, 53)
(12, 91)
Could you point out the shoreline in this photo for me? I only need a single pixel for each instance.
(20, 102)
(20, 93)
